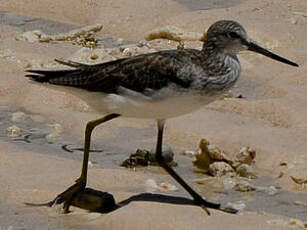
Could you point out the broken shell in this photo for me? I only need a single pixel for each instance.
(245, 170)
(245, 156)
(220, 169)
(14, 131)
(167, 187)
(216, 154)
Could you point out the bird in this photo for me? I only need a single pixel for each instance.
(159, 85)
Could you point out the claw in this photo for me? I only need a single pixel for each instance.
(205, 209)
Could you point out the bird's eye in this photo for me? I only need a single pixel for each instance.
(233, 35)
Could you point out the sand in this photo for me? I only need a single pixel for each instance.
(271, 118)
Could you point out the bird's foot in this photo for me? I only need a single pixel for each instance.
(68, 195)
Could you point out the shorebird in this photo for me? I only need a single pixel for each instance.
(158, 86)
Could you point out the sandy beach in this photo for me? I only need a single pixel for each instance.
(270, 118)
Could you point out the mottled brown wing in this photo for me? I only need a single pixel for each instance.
(148, 71)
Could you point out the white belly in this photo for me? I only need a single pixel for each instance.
(163, 104)
(172, 105)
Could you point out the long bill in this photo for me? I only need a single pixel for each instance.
(258, 49)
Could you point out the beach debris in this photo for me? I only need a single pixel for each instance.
(180, 45)
(202, 180)
(299, 181)
(229, 182)
(293, 223)
(237, 205)
(246, 155)
(7, 54)
(173, 33)
(91, 56)
(189, 153)
(167, 153)
(297, 202)
(167, 187)
(270, 190)
(14, 131)
(283, 163)
(32, 36)
(245, 170)
(304, 14)
(152, 186)
(144, 157)
(57, 129)
(139, 158)
(244, 186)
(18, 117)
(84, 36)
(207, 154)
(210, 159)
(220, 168)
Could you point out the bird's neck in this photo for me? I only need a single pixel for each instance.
(221, 67)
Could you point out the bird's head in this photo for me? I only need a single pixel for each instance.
(230, 37)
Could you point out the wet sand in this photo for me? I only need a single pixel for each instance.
(271, 119)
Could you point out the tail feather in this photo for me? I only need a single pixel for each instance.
(73, 77)
(47, 75)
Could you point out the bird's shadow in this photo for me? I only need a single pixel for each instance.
(151, 197)
(103, 202)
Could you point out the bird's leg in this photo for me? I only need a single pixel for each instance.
(68, 195)
(198, 200)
